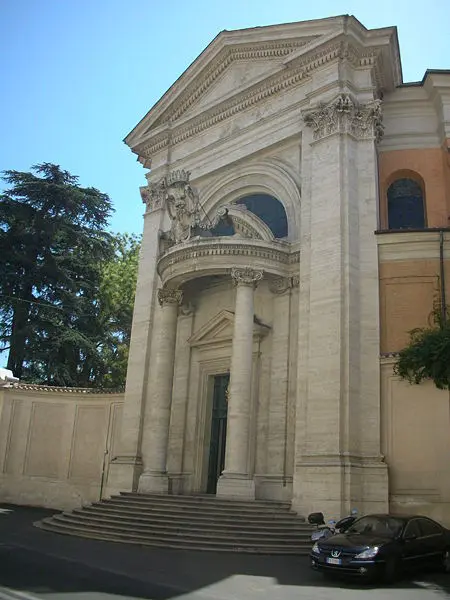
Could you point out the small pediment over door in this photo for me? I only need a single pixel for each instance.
(219, 330)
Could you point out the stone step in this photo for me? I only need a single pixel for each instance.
(166, 541)
(162, 513)
(208, 523)
(185, 529)
(192, 509)
(199, 501)
(196, 524)
(203, 500)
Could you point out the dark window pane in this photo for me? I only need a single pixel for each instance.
(223, 228)
(405, 205)
(429, 527)
(412, 529)
(270, 210)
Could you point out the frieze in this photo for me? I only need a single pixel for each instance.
(344, 115)
(212, 249)
(246, 276)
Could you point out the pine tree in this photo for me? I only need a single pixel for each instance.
(53, 245)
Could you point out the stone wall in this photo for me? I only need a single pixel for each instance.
(56, 445)
(416, 444)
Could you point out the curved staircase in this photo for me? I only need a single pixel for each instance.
(188, 522)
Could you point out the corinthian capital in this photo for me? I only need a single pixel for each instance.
(345, 115)
(169, 296)
(246, 276)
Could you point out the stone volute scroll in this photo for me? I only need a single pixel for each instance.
(246, 276)
(280, 285)
(346, 115)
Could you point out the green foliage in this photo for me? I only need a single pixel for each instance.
(427, 356)
(62, 318)
(116, 301)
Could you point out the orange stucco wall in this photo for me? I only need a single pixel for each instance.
(409, 287)
(432, 165)
(407, 292)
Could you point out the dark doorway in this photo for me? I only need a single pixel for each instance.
(218, 431)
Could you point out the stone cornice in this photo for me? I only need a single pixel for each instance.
(280, 82)
(268, 50)
(27, 387)
(411, 245)
(389, 358)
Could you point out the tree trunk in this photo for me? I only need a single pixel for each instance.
(18, 338)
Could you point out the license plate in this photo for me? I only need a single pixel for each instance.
(334, 561)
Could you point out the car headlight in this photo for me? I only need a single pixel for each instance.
(316, 549)
(369, 553)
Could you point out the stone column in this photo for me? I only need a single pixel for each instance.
(279, 380)
(236, 480)
(159, 397)
(126, 466)
(180, 397)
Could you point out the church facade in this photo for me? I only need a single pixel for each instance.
(297, 198)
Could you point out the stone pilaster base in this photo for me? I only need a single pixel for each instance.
(273, 487)
(153, 483)
(235, 487)
(336, 485)
(123, 475)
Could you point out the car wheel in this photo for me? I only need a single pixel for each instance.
(391, 570)
(446, 561)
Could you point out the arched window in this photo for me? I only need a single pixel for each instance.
(406, 209)
(268, 209)
(223, 229)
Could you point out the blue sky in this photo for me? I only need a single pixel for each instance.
(77, 75)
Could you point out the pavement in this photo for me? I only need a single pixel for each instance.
(35, 564)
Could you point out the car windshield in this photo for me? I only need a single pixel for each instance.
(383, 526)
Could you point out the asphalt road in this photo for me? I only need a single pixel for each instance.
(35, 564)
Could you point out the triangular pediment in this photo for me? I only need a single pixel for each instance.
(239, 75)
(246, 66)
(219, 329)
(240, 56)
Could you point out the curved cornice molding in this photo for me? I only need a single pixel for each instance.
(204, 257)
(268, 176)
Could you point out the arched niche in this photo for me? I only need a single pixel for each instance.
(405, 198)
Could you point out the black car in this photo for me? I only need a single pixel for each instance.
(384, 545)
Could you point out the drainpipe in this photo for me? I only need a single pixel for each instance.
(442, 277)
